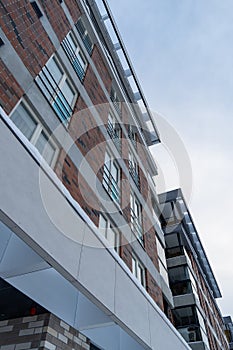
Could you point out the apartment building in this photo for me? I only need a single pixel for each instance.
(229, 330)
(82, 257)
(195, 290)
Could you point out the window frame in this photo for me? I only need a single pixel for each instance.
(107, 182)
(134, 169)
(105, 232)
(51, 88)
(138, 269)
(134, 202)
(37, 132)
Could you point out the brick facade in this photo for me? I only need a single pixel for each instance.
(44, 331)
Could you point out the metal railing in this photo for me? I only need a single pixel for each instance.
(54, 94)
(110, 185)
(84, 36)
(136, 226)
(115, 134)
(73, 58)
(134, 174)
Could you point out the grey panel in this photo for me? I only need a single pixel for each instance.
(163, 333)
(97, 270)
(5, 235)
(50, 290)
(19, 259)
(130, 306)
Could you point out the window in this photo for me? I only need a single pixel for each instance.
(75, 55)
(111, 177)
(134, 169)
(107, 230)
(136, 217)
(114, 131)
(115, 100)
(28, 124)
(162, 261)
(57, 88)
(84, 36)
(132, 135)
(36, 9)
(138, 270)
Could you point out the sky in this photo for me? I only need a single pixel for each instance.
(183, 56)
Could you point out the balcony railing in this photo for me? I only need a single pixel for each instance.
(191, 333)
(174, 251)
(134, 174)
(115, 135)
(74, 60)
(136, 226)
(110, 185)
(54, 94)
(84, 36)
(181, 288)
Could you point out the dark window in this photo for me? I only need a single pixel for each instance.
(36, 9)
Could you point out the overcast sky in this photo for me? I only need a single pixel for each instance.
(182, 51)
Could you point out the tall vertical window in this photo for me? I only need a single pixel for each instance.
(57, 88)
(84, 35)
(132, 135)
(138, 270)
(136, 217)
(134, 169)
(114, 131)
(162, 261)
(115, 100)
(29, 125)
(111, 177)
(110, 233)
(75, 55)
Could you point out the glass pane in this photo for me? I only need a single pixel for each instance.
(114, 172)
(161, 252)
(172, 240)
(134, 266)
(179, 273)
(81, 60)
(68, 92)
(62, 108)
(46, 149)
(72, 43)
(111, 237)
(55, 70)
(141, 274)
(103, 223)
(24, 121)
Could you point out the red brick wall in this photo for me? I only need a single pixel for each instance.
(26, 34)
(101, 67)
(56, 17)
(10, 91)
(77, 186)
(73, 9)
(154, 290)
(93, 87)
